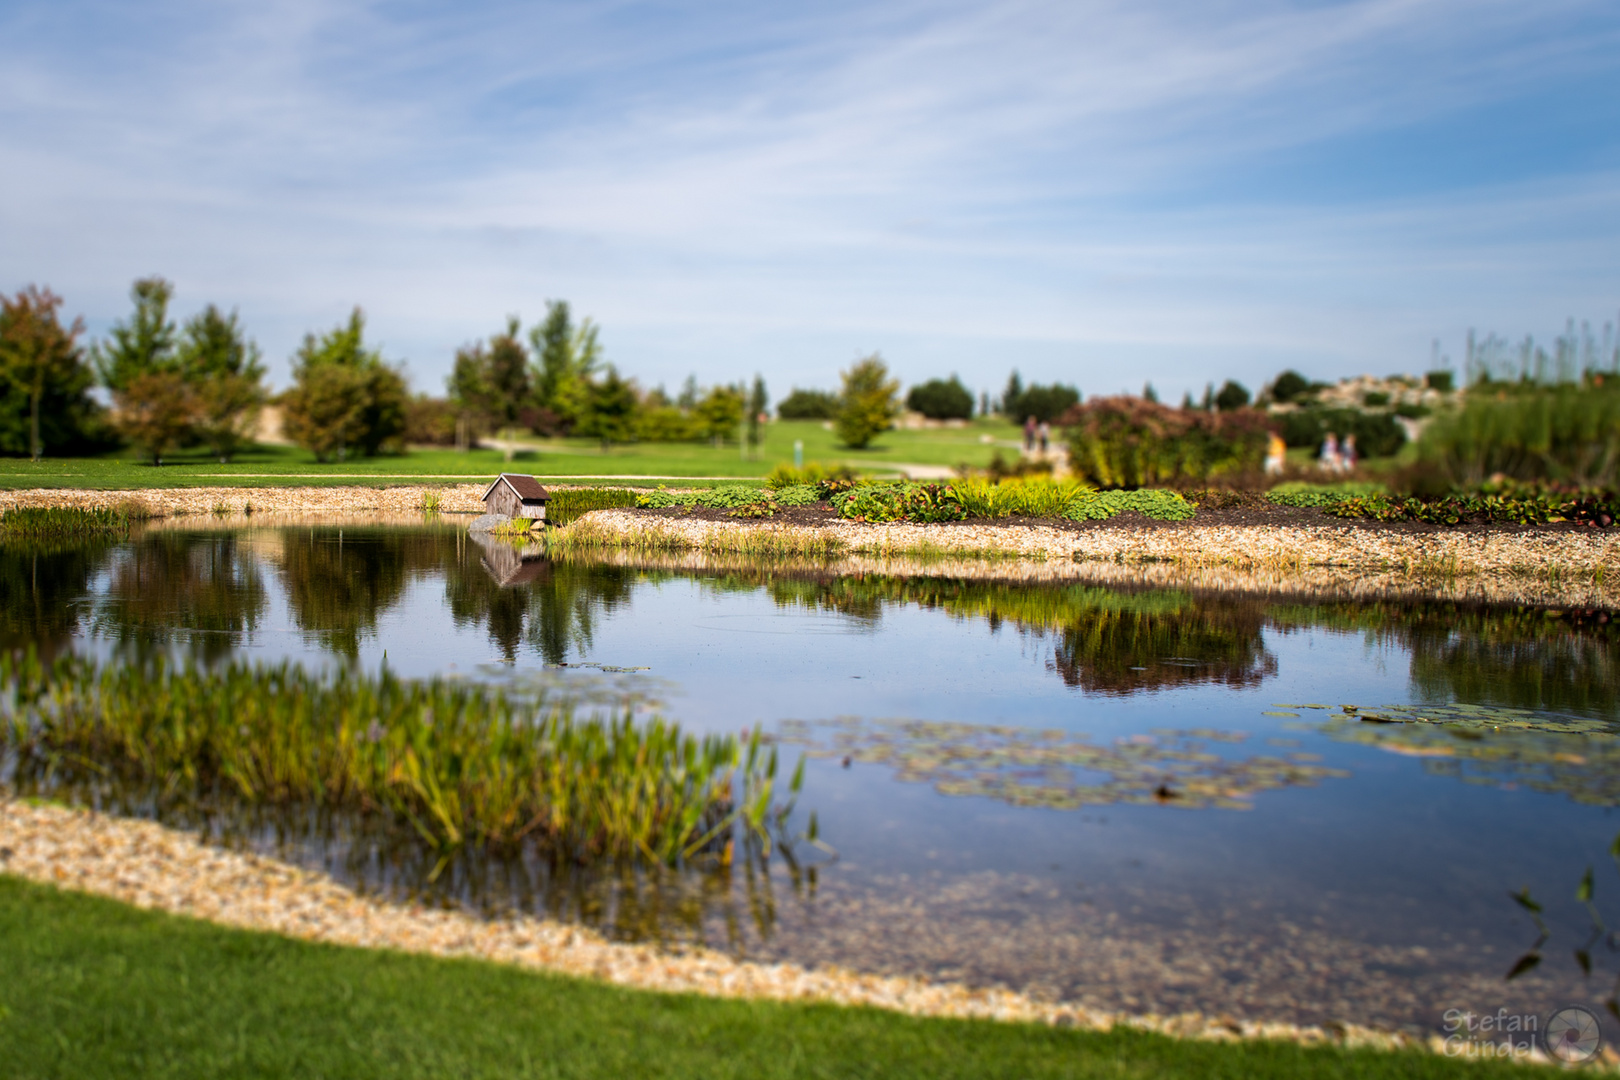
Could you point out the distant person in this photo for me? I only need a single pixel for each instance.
(1276, 454)
(1347, 453)
(1330, 453)
(1045, 434)
(1029, 435)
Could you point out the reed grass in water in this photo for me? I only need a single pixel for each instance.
(459, 764)
(51, 521)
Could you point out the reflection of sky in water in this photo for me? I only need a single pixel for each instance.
(1391, 853)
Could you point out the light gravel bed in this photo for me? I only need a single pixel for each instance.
(1594, 555)
(158, 868)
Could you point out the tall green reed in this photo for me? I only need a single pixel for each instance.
(457, 764)
(568, 504)
(51, 521)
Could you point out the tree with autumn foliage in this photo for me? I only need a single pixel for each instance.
(44, 380)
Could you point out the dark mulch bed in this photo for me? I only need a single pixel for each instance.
(1214, 508)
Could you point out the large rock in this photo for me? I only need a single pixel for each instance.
(487, 522)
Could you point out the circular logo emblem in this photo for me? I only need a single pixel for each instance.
(1573, 1034)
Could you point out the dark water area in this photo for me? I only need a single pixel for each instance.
(1148, 799)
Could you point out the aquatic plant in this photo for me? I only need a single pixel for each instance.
(431, 501)
(68, 521)
(1052, 769)
(1485, 744)
(456, 764)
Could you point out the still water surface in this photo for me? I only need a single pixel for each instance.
(1110, 795)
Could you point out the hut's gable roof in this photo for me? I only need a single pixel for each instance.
(526, 488)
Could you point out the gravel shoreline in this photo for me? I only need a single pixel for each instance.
(1510, 565)
(157, 868)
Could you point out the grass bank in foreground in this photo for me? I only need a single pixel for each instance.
(95, 988)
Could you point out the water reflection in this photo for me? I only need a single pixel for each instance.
(202, 590)
(43, 587)
(524, 598)
(210, 592)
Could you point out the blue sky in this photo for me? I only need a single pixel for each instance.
(1098, 192)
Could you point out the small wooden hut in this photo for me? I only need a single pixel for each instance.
(516, 496)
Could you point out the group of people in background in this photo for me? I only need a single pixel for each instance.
(1037, 432)
(1336, 456)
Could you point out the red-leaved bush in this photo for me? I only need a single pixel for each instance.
(1129, 442)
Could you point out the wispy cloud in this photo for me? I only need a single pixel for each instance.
(1084, 189)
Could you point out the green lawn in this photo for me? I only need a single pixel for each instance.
(94, 988)
(574, 458)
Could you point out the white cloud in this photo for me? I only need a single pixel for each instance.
(972, 184)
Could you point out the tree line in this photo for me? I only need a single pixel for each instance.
(200, 382)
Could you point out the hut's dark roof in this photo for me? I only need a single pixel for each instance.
(527, 487)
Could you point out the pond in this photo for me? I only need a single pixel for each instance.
(1151, 799)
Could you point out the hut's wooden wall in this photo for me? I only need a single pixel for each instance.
(503, 500)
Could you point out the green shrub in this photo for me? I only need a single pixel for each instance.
(808, 405)
(1537, 509)
(668, 424)
(797, 495)
(1037, 497)
(1044, 403)
(1311, 496)
(941, 399)
(729, 497)
(922, 503)
(1130, 442)
(1159, 505)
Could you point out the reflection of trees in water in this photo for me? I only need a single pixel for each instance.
(1124, 645)
(340, 581)
(1105, 640)
(555, 609)
(1528, 658)
(201, 589)
(41, 586)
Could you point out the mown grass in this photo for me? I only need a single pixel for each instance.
(577, 459)
(95, 988)
(457, 764)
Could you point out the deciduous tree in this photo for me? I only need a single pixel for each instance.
(869, 402)
(226, 377)
(43, 376)
(344, 396)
